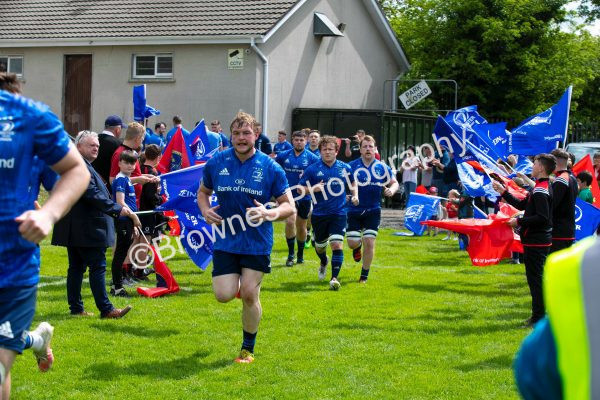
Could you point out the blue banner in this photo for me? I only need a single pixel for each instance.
(542, 132)
(420, 208)
(199, 148)
(181, 189)
(141, 110)
(466, 117)
(587, 219)
(492, 139)
(523, 165)
(476, 183)
(478, 213)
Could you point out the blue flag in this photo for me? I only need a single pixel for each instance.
(199, 148)
(181, 190)
(420, 208)
(542, 132)
(478, 213)
(475, 182)
(141, 110)
(466, 117)
(587, 219)
(492, 139)
(523, 165)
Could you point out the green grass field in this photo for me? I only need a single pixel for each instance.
(427, 325)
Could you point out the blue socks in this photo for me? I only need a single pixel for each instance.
(364, 274)
(249, 341)
(337, 259)
(322, 256)
(290, 243)
(28, 341)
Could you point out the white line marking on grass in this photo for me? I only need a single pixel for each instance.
(57, 283)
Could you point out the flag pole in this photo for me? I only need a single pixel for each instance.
(570, 91)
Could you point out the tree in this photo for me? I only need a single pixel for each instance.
(509, 56)
(590, 9)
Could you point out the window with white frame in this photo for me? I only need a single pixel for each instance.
(12, 64)
(153, 65)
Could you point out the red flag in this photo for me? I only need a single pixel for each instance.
(421, 189)
(507, 211)
(586, 164)
(164, 271)
(175, 156)
(490, 240)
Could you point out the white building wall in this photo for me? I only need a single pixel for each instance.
(331, 72)
(203, 86)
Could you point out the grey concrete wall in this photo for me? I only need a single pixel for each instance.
(343, 72)
(203, 86)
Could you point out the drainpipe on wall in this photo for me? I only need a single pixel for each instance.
(265, 99)
(395, 93)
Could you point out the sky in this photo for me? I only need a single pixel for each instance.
(594, 28)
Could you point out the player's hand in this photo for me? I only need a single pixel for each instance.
(319, 187)
(212, 217)
(354, 200)
(512, 222)
(387, 192)
(258, 212)
(498, 187)
(36, 205)
(34, 225)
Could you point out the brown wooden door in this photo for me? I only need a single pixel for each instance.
(77, 93)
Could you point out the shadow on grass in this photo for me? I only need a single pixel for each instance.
(296, 287)
(135, 330)
(498, 362)
(357, 326)
(179, 368)
(456, 328)
(442, 288)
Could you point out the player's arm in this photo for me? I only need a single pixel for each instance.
(34, 225)
(209, 213)
(392, 188)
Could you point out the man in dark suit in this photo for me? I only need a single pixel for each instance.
(109, 142)
(87, 230)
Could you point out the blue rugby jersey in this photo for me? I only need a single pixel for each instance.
(294, 166)
(316, 151)
(370, 181)
(123, 184)
(27, 129)
(335, 191)
(236, 186)
(41, 175)
(279, 148)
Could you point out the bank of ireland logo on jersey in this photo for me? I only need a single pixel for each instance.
(6, 131)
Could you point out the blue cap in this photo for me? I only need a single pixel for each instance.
(113, 120)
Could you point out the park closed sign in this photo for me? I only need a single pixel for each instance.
(415, 94)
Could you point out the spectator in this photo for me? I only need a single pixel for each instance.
(124, 195)
(86, 231)
(452, 211)
(109, 142)
(176, 124)
(134, 136)
(465, 210)
(262, 143)
(450, 177)
(427, 167)
(314, 136)
(439, 163)
(410, 164)
(584, 181)
(352, 150)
